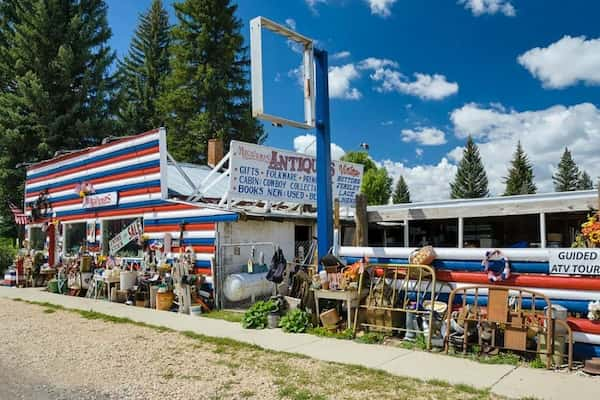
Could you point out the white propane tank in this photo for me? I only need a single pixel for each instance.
(238, 287)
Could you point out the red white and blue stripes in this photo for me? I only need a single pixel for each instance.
(136, 169)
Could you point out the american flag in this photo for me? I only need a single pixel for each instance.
(20, 217)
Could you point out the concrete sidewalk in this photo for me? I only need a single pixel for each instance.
(505, 380)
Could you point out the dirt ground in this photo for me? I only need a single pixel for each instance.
(51, 354)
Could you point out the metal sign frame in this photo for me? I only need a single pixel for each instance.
(256, 27)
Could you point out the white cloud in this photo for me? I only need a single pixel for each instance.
(340, 81)
(387, 123)
(419, 152)
(543, 133)
(425, 86)
(376, 63)
(312, 5)
(341, 55)
(425, 182)
(381, 8)
(291, 23)
(389, 79)
(307, 144)
(424, 136)
(565, 62)
(480, 7)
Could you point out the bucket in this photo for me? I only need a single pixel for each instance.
(53, 286)
(164, 301)
(273, 321)
(196, 310)
(127, 279)
(153, 291)
(86, 263)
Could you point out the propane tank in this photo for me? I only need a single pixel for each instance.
(238, 287)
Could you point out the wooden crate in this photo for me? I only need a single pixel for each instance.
(515, 338)
(497, 309)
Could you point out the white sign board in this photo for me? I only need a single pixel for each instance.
(575, 261)
(100, 200)
(269, 174)
(133, 231)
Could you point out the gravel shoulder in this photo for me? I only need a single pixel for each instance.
(50, 353)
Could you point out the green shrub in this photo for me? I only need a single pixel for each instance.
(256, 316)
(296, 321)
(8, 251)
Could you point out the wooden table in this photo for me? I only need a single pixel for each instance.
(351, 297)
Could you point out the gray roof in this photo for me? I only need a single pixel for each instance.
(582, 200)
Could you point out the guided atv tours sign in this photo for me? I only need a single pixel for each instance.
(577, 261)
(268, 174)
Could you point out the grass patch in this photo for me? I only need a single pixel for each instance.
(439, 382)
(247, 394)
(49, 311)
(418, 344)
(231, 316)
(537, 363)
(346, 334)
(469, 389)
(371, 338)
(292, 392)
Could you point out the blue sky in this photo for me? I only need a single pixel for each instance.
(413, 77)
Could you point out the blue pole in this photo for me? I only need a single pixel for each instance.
(324, 196)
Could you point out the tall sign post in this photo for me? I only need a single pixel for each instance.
(316, 113)
(324, 198)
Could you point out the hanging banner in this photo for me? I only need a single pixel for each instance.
(269, 174)
(577, 261)
(133, 231)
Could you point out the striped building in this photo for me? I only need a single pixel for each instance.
(123, 180)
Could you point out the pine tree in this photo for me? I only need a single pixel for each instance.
(207, 93)
(143, 71)
(584, 182)
(520, 174)
(471, 180)
(566, 178)
(55, 92)
(401, 193)
(377, 186)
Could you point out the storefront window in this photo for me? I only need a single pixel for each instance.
(112, 228)
(37, 238)
(75, 237)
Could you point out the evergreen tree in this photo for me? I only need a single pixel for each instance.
(377, 186)
(566, 178)
(143, 71)
(207, 93)
(401, 193)
(471, 180)
(520, 174)
(584, 182)
(55, 93)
